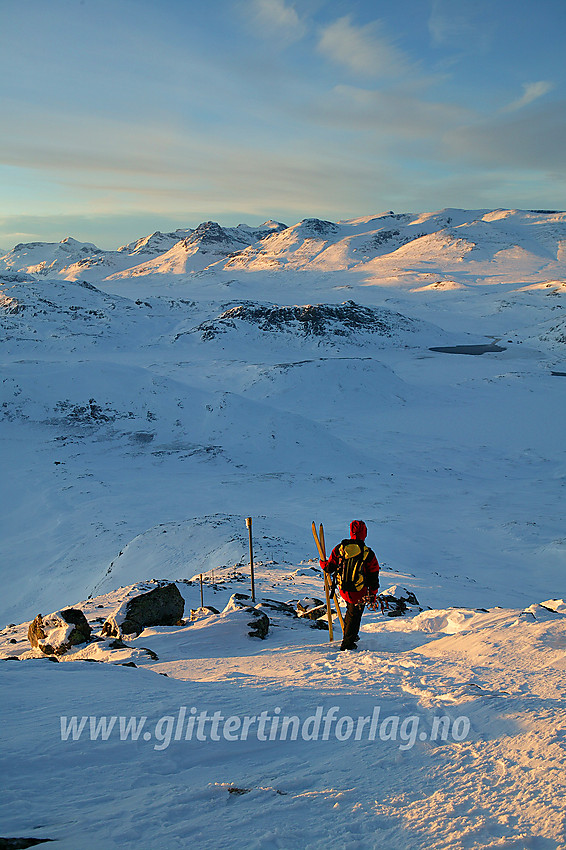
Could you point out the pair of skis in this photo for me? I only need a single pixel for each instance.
(320, 545)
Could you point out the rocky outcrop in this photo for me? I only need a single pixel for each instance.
(307, 604)
(399, 600)
(56, 633)
(310, 320)
(258, 622)
(162, 606)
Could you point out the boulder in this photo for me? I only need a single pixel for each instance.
(314, 613)
(308, 603)
(276, 607)
(203, 611)
(399, 599)
(162, 606)
(259, 622)
(56, 633)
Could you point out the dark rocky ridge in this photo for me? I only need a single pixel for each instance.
(311, 320)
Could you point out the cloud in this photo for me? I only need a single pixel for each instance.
(467, 24)
(533, 140)
(276, 18)
(531, 92)
(393, 116)
(365, 50)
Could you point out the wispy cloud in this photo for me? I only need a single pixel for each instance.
(276, 18)
(365, 50)
(531, 92)
(393, 115)
(533, 140)
(462, 25)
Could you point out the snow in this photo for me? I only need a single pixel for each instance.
(144, 416)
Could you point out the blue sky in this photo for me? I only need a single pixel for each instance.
(120, 117)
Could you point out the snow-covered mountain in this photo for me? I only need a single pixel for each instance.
(182, 251)
(404, 369)
(381, 246)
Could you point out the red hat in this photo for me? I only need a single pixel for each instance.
(358, 530)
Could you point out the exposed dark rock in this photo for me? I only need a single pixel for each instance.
(396, 606)
(21, 843)
(314, 613)
(277, 607)
(162, 606)
(208, 233)
(203, 611)
(399, 599)
(318, 227)
(321, 623)
(150, 652)
(307, 603)
(311, 320)
(56, 633)
(36, 632)
(259, 624)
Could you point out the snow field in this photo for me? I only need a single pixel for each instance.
(135, 443)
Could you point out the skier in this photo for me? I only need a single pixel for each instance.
(356, 570)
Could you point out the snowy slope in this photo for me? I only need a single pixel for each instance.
(499, 242)
(317, 374)
(420, 739)
(206, 245)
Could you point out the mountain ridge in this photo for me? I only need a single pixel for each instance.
(371, 243)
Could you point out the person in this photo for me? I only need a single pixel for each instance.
(356, 570)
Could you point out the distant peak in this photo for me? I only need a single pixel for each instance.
(318, 226)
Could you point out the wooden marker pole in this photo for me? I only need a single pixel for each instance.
(201, 593)
(249, 525)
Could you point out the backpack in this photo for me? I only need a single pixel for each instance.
(350, 574)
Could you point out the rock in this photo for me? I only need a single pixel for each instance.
(277, 607)
(36, 631)
(204, 611)
(259, 624)
(162, 606)
(308, 603)
(153, 655)
(314, 613)
(260, 621)
(399, 599)
(321, 623)
(56, 633)
(396, 606)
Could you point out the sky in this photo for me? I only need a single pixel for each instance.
(122, 117)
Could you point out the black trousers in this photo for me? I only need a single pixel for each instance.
(352, 622)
